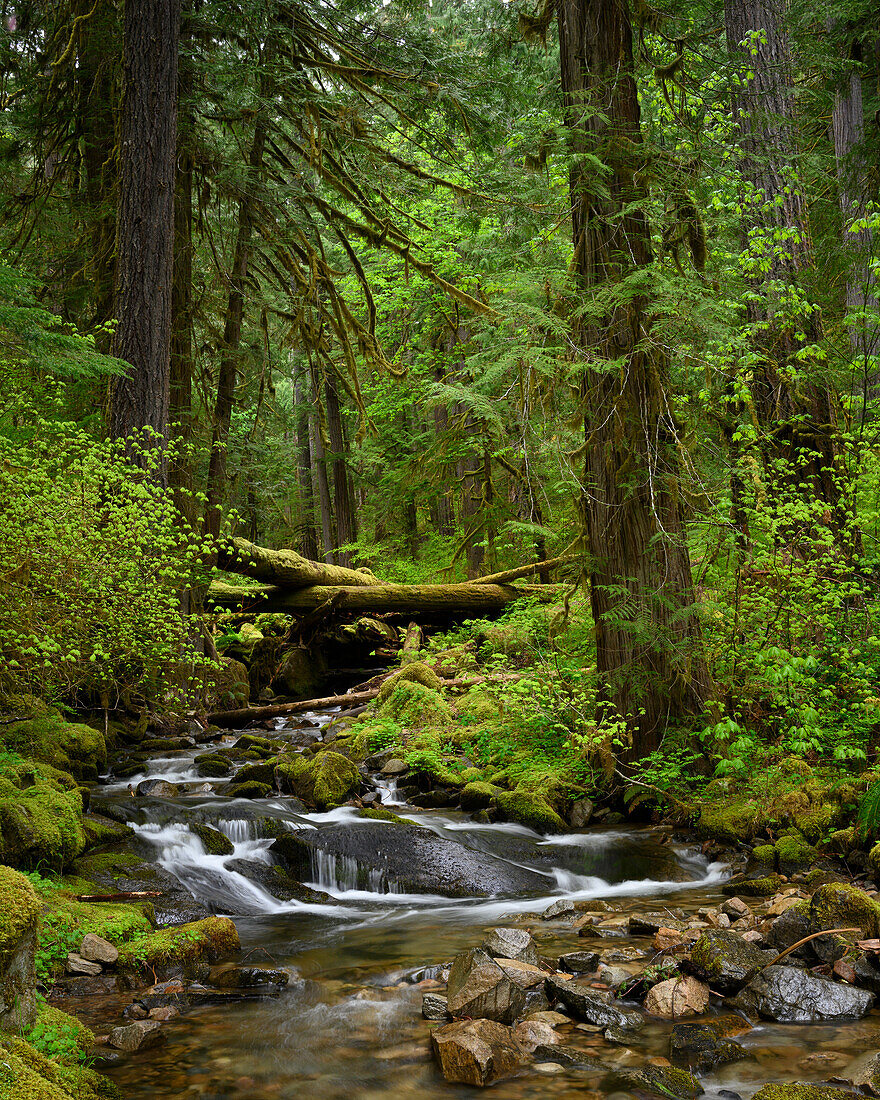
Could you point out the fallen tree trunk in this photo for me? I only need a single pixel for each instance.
(279, 710)
(412, 599)
(523, 570)
(286, 568)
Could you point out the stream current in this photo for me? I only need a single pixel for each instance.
(349, 1024)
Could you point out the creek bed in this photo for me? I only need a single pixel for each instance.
(349, 1025)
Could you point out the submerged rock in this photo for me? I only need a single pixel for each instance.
(136, 1036)
(415, 859)
(593, 1006)
(793, 996)
(663, 1081)
(701, 1048)
(476, 1052)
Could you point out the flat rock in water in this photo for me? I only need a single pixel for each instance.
(646, 924)
(416, 859)
(662, 1081)
(534, 1033)
(700, 1048)
(567, 1056)
(677, 997)
(97, 949)
(479, 987)
(249, 977)
(136, 1036)
(511, 943)
(793, 996)
(78, 965)
(724, 960)
(579, 962)
(156, 788)
(593, 1006)
(476, 1052)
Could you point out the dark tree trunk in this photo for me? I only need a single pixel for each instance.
(229, 358)
(470, 477)
(443, 509)
(648, 638)
(346, 518)
(800, 419)
(308, 532)
(319, 473)
(848, 127)
(145, 224)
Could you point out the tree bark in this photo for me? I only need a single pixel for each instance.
(346, 519)
(309, 534)
(648, 638)
(319, 472)
(145, 224)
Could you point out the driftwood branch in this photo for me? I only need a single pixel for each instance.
(509, 575)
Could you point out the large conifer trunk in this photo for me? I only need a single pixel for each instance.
(145, 225)
(648, 642)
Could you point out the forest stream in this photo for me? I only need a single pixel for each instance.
(349, 1023)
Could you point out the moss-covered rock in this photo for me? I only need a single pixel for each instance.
(874, 862)
(529, 809)
(69, 746)
(213, 764)
(416, 672)
(762, 861)
(798, 1090)
(19, 914)
(731, 822)
(215, 843)
(299, 674)
(764, 887)
(661, 1081)
(479, 705)
(412, 705)
(325, 780)
(479, 796)
(250, 789)
(842, 840)
(178, 951)
(28, 1074)
(839, 905)
(99, 831)
(794, 854)
(378, 814)
(53, 1027)
(40, 817)
(724, 960)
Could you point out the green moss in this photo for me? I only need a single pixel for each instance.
(793, 854)
(27, 1074)
(842, 840)
(763, 856)
(99, 831)
(228, 686)
(417, 672)
(731, 821)
(818, 821)
(479, 796)
(40, 817)
(796, 1090)
(663, 1081)
(56, 1032)
(754, 888)
(529, 809)
(250, 789)
(68, 746)
(384, 815)
(19, 909)
(181, 947)
(472, 775)
(839, 905)
(874, 862)
(215, 842)
(479, 705)
(326, 780)
(412, 706)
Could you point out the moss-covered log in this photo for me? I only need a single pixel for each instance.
(412, 599)
(286, 568)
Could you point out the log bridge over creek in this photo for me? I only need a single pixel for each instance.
(297, 586)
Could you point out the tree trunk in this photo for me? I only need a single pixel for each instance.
(346, 519)
(848, 128)
(800, 419)
(648, 640)
(308, 533)
(443, 510)
(145, 224)
(285, 567)
(319, 473)
(228, 371)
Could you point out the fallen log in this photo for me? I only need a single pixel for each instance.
(124, 895)
(509, 575)
(352, 699)
(412, 599)
(286, 568)
(412, 643)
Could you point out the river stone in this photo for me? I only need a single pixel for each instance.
(567, 1056)
(864, 1071)
(248, 977)
(137, 1036)
(534, 1033)
(563, 908)
(78, 965)
(394, 766)
(593, 1006)
(677, 997)
(435, 1007)
(793, 996)
(579, 962)
(97, 949)
(800, 1090)
(790, 927)
(277, 882)
(646, 924)
(511, 943)
(156, 788)
(475, 1052)
(479, 987)
(580, 813)
(416, 859)
(724, 960)
(700, 1048)
(663, 1081)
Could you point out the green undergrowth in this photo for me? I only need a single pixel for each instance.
(181, 948)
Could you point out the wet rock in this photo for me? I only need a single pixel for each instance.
(580, 813)
(677, 997)
(480, 987)
(646, 924)
(790, 927)
(476, 1052)
(611, 928)
(379, 759)
(567, 1056)
(156, 788)
(735, 908)
(248, 977)
(755, 887)
(136, 1036)
(864, 972)
(215, 843)
(864, 1071)
(700, 1048)
(839, 905)
(511, 943)
(169, 1012)
(394, 766)
(565, 907)
(78, 965)
(278, 882)
(799, 1090)
(86, 985)
(325, 780)
(793, 996)
(135, 1011)
(434, 1007)
(724, 960)
(593, 1006)
(554, 1019)
(579, 962)
(667, 938)
(534, 1033)
(416, 859)
(663, 1081)
(97, 949)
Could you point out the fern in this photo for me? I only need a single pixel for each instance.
(868, 813)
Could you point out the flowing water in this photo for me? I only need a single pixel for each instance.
(349, 1024)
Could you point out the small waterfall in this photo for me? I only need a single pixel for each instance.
(387, 789)
(237, 829)
(344, 874)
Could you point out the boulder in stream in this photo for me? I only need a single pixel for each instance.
(661, 1081)
(480, 987)
(593, 1006)
(699, 1047)
(724, 960)
(136, 1036)
(511, 943)
(19, 915)
(793, 996)
(677, 997)
(414, 859)
(324, 780)
(476, 1052)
